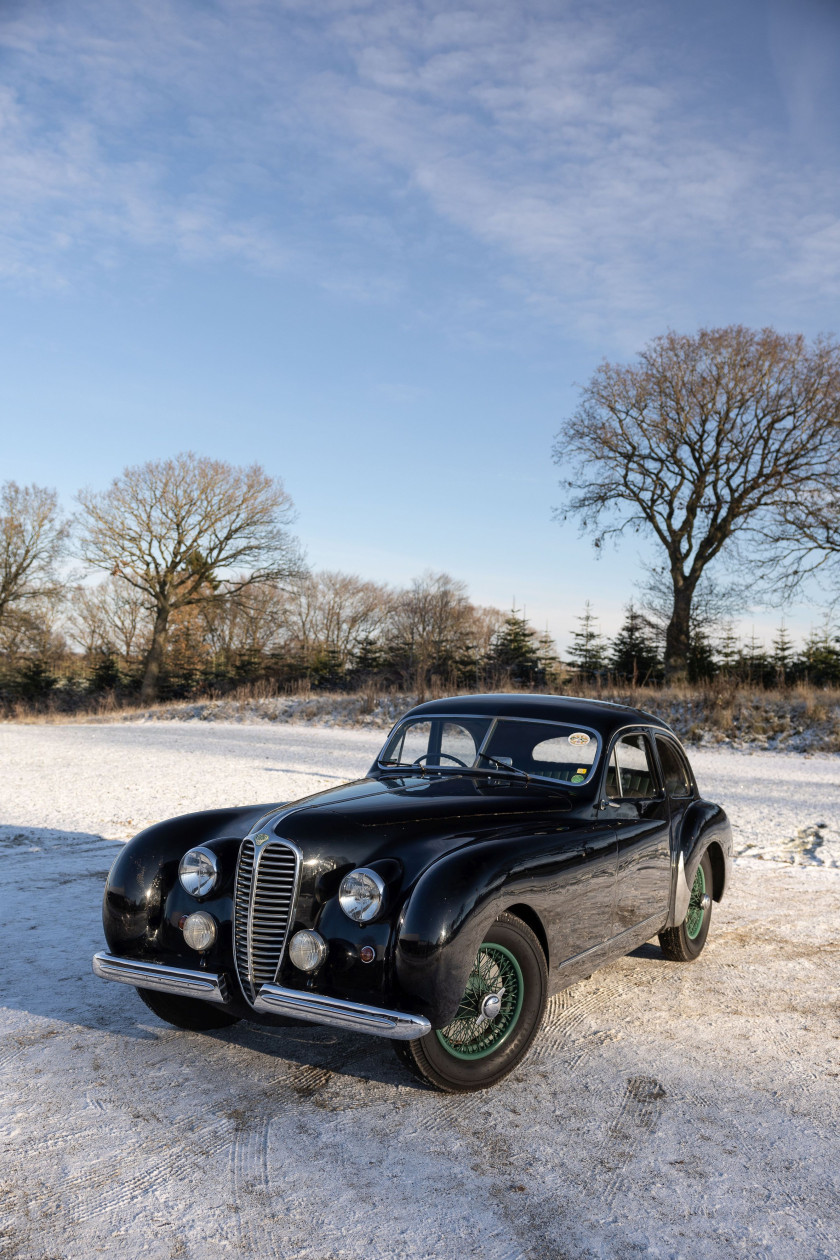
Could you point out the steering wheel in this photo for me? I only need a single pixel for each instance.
(451, 757)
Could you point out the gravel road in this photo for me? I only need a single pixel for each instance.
(665, 1111)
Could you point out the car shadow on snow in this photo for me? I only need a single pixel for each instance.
(649, 951)
(52, 885)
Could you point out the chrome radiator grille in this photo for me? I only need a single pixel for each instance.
(266, 886)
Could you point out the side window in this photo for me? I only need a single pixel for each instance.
(630, 773)
(674, 770)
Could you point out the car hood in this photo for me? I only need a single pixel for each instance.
(414, 819)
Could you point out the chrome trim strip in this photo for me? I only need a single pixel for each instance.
(196, 984)
(272, 999)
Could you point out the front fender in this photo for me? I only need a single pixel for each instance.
(143, 896)
(445, 920)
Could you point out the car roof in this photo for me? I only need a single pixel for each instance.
(603, 716)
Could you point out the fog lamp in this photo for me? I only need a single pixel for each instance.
(200, 930)
(307, 950)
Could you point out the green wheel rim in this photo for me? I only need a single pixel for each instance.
(470, 1036)
(694, 918)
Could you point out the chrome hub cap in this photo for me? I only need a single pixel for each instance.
(492, 1004)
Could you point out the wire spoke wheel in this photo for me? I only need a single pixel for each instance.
(696, 910)
(496, 1020)
(480, 1027)
(685, 941)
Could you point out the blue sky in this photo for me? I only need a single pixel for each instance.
(376, 247)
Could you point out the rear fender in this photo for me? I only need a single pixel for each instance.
(705, 826)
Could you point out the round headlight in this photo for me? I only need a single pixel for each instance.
(307, 950)
(198, 871)
(360, 895)
(200, 930)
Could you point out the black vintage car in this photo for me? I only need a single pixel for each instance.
(500, 848)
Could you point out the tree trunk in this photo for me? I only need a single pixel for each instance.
(678, 633)
(154, 660)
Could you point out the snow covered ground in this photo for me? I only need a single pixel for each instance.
(665, 1111)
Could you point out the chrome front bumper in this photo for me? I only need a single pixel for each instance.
(195, 984)
(272, 999)
(355, 1017)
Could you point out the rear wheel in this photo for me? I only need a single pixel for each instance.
(499, 1015)
(685, 942)
(190, 1013)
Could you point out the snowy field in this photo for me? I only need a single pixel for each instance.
(665, 1111)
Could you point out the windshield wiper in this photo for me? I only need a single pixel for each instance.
(509, 767)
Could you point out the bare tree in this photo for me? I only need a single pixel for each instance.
(699, 444)
(108, 617)
(248, 622)
(803, 541)
(432, 624)
(175, 528)
(33, 537)
(334, 613)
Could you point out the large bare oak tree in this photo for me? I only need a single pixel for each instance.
(176, 529)
(699, 443)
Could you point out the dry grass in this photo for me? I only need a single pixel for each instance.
(801, 718)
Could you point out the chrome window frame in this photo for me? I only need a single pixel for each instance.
(494, 720)
(667, 738)
(649, 732)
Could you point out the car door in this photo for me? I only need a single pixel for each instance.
(638, 810)
(583, 882)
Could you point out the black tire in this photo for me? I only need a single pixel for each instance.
(435, 1058)
(189, 1013)
(678, 943)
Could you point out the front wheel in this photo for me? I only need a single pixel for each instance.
(190, 1013)
(685, 942)
(498, 1018)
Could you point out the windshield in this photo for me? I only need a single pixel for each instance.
(548, 750)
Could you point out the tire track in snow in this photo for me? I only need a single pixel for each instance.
(251, 1187)
(639, 1115)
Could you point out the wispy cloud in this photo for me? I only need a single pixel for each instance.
(575, 147)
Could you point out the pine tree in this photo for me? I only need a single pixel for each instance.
(549, 661)
(588, 652)
(515, 651)
(369, 655)
(701, 657)
(782, 653)
(756, 666)
(729, 650)
(633, 654)
(821, 657)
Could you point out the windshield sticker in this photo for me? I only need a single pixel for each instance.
(582, 770)
(579, 739)
(578, 778)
